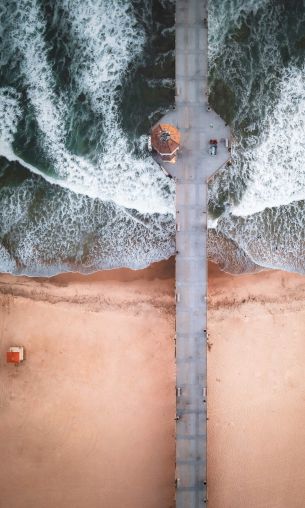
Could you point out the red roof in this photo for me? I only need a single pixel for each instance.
(165, 139)
(12, 357)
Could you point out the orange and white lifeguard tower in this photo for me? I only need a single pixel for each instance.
(165, 140)
(15, 354)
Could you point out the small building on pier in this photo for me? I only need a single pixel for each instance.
(165, 140)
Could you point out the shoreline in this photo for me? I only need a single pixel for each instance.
(160, 269)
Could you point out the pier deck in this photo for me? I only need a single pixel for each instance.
(197, 124)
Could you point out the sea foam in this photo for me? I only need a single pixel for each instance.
(277, 163)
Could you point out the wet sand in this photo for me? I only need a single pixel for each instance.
(256, 380)
(88, 420)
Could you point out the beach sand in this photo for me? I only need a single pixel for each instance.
(256, 390)
(88, 420)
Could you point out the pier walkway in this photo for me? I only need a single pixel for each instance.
(197, 124)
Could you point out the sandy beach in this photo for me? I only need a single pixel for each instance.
(88, 420)
(256, 402)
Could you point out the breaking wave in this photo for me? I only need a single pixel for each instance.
(277, 163)
(257, 66)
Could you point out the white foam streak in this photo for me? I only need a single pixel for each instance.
(223, 15)
(277, 163)
(10, 114)
(108, 39)
(7, 263)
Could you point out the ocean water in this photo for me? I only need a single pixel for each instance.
(81, 83)
(257, 80)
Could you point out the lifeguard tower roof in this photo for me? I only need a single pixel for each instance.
(165, 140)
(15, 354)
